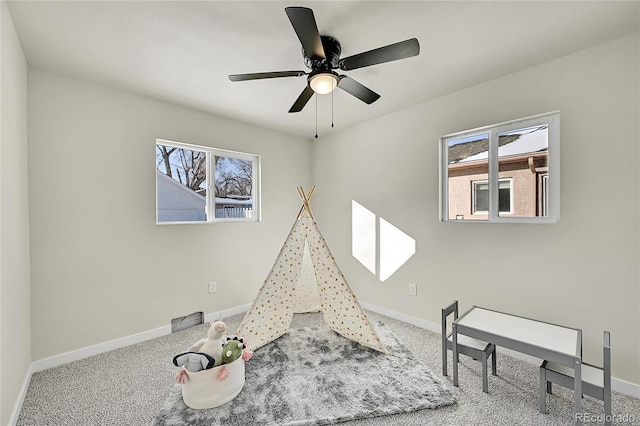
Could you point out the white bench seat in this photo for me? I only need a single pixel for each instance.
(468, 341)
(596, 381)
(589, 373)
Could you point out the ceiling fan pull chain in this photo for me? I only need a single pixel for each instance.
(316, 96)
(332, 109)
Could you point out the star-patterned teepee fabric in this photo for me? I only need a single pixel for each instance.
(283, 293)
(307, 297)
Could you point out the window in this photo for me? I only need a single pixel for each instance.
(481, 196)
(506, 172)
(201, 184)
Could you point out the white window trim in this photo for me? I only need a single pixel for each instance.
(545, 194)
(210, 206)
(553, 207)
(473, 195)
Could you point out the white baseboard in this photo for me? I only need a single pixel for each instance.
(627, 388)
(418, 322)
(75, 355)
(220, 315)
(122, 342)
(15, 413)
(618, 385)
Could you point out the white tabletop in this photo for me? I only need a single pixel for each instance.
(553, 337)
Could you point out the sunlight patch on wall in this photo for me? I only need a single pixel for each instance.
(363, 236)
(395, 246)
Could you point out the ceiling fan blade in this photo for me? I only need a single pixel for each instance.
(261, 75)
(392, 52)
(302, 100)
(304, 24)
(356, 89)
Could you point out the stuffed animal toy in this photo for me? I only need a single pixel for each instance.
(212, 345)
(232, 350)
(194, 361)
(191, 361)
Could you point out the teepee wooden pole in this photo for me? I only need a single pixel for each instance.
(306, 197)
(301, 194)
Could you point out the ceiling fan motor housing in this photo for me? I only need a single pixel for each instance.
(331, 60)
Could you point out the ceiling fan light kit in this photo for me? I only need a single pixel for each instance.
(323, 82)
(321, 54)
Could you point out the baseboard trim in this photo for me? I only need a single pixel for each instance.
(78, 354)
(625, 387)
(15, 413)
(220, 315)
(418, 322)
(618, 385)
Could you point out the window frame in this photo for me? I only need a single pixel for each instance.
(211, 153)
(552, 196)
(486, 181)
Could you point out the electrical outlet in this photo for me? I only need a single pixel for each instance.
(213, 287)
(413, 289)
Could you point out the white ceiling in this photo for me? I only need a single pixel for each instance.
(183, 51)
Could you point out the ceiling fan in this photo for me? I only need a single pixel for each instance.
(322, 55)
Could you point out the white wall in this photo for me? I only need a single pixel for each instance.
(582, 272)
(101, 268)
(15, 303)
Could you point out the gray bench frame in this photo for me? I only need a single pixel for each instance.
(481, 355)
(549, 376)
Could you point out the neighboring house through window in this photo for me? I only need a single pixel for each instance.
(507, 172)
(202, 184)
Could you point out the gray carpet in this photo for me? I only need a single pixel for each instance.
(314, 376)
(129, 386)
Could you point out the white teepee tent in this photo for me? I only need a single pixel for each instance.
(305, 283)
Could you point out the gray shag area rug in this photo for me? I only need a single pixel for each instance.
(314, 376)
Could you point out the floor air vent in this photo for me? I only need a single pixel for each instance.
(181, 323)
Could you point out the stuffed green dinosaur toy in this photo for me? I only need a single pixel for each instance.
(232, 350)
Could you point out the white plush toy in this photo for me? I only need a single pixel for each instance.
(212, 345)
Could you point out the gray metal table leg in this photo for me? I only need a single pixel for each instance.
(542, 391)
(577, 383)
(455, 355)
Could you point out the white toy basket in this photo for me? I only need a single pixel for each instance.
(204, 390)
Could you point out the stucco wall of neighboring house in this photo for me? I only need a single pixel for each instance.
(526, 188)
